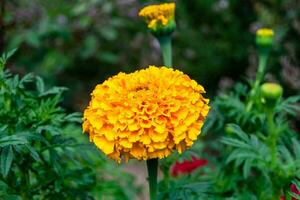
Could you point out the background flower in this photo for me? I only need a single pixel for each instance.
(187, 166)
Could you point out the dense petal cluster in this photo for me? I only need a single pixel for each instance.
(158, 15)
(145, 114)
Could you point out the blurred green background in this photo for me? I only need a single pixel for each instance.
(79, 43)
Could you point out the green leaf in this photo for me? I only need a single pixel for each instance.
(241, 153)
(34, 154)
(53, 91)
(6, 56)
(12, 140)
(239, 132)
(7, 156)
(74, 117)
(247, 168)
(285, 154)
(40, 86)
(26, 79)
(296, 147)
(234, 142)
(12, 197)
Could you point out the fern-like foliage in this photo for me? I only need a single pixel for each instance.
(40, 158)
(252, 164)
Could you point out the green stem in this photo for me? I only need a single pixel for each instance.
(272, 137)
(152, 165)
(261, 71)
(262, 63)
(26, 183)
(166, 49)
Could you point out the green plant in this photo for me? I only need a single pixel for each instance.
(252, 145)
(260, 155)
(42, 153)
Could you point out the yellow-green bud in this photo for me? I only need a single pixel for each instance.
(270, 93)
(229, 130)
(264, 37)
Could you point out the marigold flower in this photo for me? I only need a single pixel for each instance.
(187, 167)
(160, 18)
(146, 114)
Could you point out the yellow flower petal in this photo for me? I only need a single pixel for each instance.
(106, 146)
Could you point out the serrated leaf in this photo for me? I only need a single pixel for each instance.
(247, 168)
(240, 153)
(26, 79)
(11, 197)
(7, 156)
(40, 86)
(74, 117)
(234, 142)
(51, 129)
(33, 153)
(6, 56)
(12, 140)
(296, 147)
(254, 141)
(54, 158)
(53, 91)
(285, 154)
(239, 132)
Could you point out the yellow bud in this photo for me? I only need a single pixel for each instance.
(264, 37)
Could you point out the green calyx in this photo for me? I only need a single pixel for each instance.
(164, 30)
(264, 40)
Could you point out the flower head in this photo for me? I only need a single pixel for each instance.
(146, 114)
(264, 37)
(160, 18)
(187, 167)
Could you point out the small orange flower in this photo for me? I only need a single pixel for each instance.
(146, 114)
(160, 17)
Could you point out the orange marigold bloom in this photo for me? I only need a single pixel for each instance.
(159, 17)
(146, 114)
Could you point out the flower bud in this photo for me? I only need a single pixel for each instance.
(160, 18)
(264, 38)
(229, 130)
(270, 93)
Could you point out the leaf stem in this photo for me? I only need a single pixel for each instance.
(273, 137)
